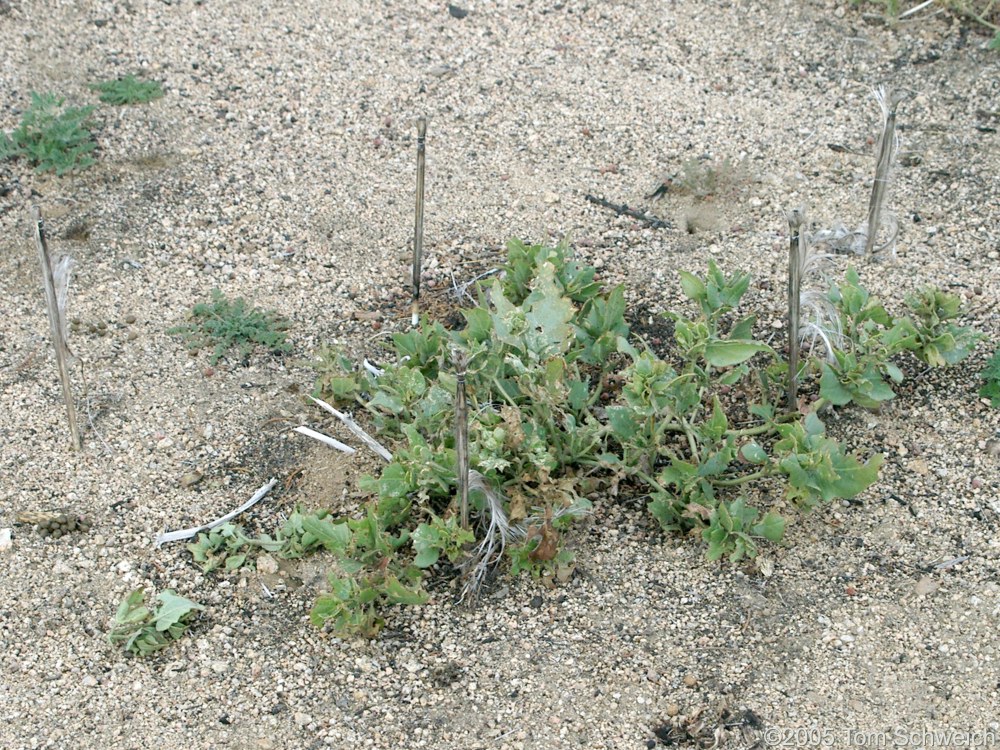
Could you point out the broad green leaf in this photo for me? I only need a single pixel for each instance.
(725, 353)
(397, 593)
(622, 422)
(426, 557)
(831, 388)
(549, 313)
(693, 287)
(394, 481)
(172, 609)
(771, 527)
(478, 324)
(754, 453)
(744, 329)
(130, 608)
(333, 536)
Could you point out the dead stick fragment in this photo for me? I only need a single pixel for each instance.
(56, 325)
(354, 427)
(461, 436)
(418, 223)
(796, 252)
(622, 209)
(332, 442)
(173, 536)
(888, 102)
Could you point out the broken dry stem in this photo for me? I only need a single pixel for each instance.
(56, 324)
(888, 101)
(796, 252)
(462, 438)
(418, 222)
(353, 426)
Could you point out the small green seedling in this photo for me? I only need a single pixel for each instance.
(51, 137)
(991, 374)
(128, 90)
(143, 632)
(224, 324)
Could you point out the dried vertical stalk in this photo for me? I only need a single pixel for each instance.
(55, 299)
(418, 223)
(461, 436)
(796, 253)
(888, 101)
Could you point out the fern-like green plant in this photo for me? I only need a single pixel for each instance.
(128, 90)
(53, 138)
(224, 324)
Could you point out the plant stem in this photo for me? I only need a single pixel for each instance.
(796, 254)
(749, 431)
(888, 101)
(650, 481)
(692, 441)
(56, 325)
(736, 481)
(462, 436)
(418, 222)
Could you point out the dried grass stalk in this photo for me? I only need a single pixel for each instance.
(326, 439)
(888, 146)
(418, 222)
(56, 280)
(354, 427)
(796, 255)
(461, 436)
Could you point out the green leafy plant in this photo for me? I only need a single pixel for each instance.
(229, 546)
(564, 402)
(142, 631)
(128, 90)
(940, 342)
(991, 374)
(860, 367)
(224, 324)
(51, 137)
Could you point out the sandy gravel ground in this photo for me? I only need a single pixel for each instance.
(279, 166)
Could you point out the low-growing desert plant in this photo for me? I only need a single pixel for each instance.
(991, 375)
(229, 546)
(128, 90)
(143, 632)
(564, 402)
(52, 137)
(223, 324)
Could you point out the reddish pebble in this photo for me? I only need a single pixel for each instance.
(976, 483)
(376, 325)
(851, 591)
(208, 372)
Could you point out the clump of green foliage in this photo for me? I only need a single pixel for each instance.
(143, 632)
(52, 137)
(228, 546)
(862, 369)
(223, 324)
(566, 402)
(128, 90)
(991, 374)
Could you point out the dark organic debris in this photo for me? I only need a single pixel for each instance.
(622, 209)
